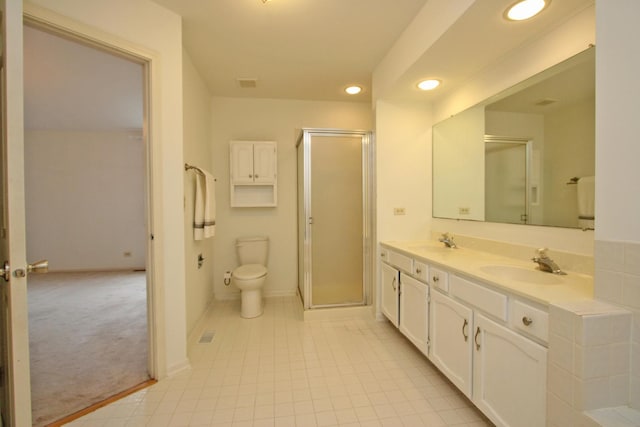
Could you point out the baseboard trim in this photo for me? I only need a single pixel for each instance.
(101, 404)
(178, 367)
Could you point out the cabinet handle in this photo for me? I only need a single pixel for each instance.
(475, 338)
(527, 321)
(418, 271)
(255, 176)
(250, 176)
(393, 284)
(435, 279)
(464, 325)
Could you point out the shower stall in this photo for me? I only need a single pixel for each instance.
(335, 224)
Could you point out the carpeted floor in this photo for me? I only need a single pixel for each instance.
(88, 339)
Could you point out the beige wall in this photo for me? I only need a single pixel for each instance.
(567, 154)
(273, 120)
(85, 195)
(617, 152)
(403, 170)
(197, 152)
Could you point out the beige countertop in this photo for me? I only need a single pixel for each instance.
(513, 275)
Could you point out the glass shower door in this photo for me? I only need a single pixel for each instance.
(336, 219)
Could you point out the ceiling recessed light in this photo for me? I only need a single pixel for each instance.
(525, 9)
(353, 90)
(429, 84)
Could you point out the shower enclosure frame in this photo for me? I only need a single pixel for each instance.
(305, 236)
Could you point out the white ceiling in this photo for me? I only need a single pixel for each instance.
(297, 49)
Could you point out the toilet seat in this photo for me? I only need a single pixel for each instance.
(250, 271)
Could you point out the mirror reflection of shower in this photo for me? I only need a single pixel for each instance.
(510, 192)
(334, 225)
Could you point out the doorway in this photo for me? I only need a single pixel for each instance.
(86, 186)
(334, 222)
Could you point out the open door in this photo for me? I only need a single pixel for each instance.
(14, 372)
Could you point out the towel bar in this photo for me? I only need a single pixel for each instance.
(187, 166)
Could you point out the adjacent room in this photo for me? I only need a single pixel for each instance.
(85, 162)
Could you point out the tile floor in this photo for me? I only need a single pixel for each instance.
(277, 370)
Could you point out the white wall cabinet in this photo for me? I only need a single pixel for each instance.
(253, 170)
(390, 285)
(414, 311)
(451, 340)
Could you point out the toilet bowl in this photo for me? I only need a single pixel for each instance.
(251, 275)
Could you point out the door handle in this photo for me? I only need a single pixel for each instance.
(5, 271)
(41, 266)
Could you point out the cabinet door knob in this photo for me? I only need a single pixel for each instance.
(256, 176)
(527, 321)
(418, 270)
(250, 176)
(464, 326)
(435, 279)
(475, 338)
(393, 284)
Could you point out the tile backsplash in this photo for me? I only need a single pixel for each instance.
(617, 281)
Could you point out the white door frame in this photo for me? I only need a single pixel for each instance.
(103, 42)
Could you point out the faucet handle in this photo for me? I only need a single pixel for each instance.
(542, 252)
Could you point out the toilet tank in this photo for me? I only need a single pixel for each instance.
(253, 250)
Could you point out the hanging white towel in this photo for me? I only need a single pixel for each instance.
(204, 221)
(586, 202)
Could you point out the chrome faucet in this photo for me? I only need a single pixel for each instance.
(447, 239)
(545, 263)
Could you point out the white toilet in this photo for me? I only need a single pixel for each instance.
(250, 276)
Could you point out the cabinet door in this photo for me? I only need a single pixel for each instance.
(510, 375)
(390, 290)
(264, 164)
(451, 339)
(414, 314)
(242, 163)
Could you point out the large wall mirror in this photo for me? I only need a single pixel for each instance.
(524, 156)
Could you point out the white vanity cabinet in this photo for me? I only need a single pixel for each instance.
(404, 298)
(503, 372)
(509, 375)
(489, 341)
(390, 291)
(451, 351)
(414, 311)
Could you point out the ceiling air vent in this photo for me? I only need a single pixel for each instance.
(248, 83)
(544, 102)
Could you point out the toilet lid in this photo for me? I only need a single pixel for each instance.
(250, 271)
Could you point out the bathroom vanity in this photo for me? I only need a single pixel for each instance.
(481, 318)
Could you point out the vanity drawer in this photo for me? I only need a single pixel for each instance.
(530, 320)
(439, 279)
(488, 300)
(403, 262)
(421, 271)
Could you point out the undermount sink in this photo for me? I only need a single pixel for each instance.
(520, 274)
